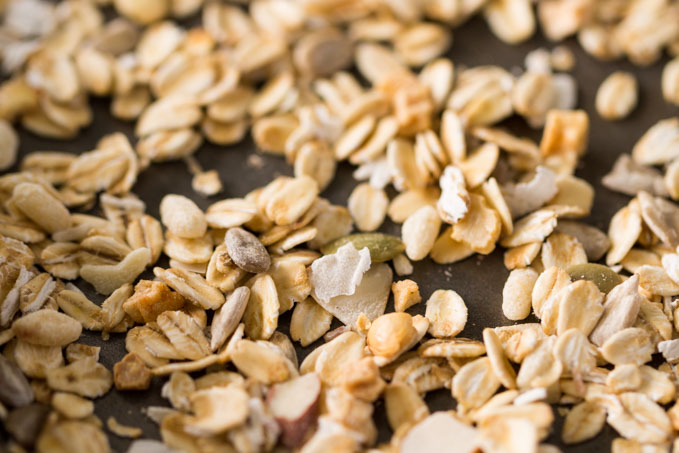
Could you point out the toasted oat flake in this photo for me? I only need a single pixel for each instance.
(617, 96)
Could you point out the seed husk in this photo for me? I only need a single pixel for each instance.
(15, 390)
(246, 251)
(604, 277)
(24, 424)
(382, 247)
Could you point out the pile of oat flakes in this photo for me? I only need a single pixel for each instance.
(319, 82)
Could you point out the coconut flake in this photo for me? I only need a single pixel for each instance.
(340, 273)
(525, 197)
(453, 204)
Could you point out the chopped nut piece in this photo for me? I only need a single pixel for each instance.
(131, 373)
(406, 294)
(150, 299)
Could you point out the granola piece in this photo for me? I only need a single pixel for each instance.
(150, 299)
(528, 196)
(131, 373)
(406, 294)
(565, 131)
(595, 241)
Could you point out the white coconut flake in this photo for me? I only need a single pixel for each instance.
(528, 196)
(453, 204)
(340, 273)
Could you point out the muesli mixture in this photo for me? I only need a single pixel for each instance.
(197, 294)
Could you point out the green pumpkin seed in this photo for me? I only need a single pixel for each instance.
(603, 276)
(382, 247)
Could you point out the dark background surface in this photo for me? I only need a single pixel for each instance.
(479, 280)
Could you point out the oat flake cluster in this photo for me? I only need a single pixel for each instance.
(320, 82)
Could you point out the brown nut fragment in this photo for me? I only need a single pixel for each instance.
(294, 404)
(131, 373)
(47, 328)
(246, 251)
(150, 299)
(406, 294)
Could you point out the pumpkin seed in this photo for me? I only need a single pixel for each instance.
(382, 247)
(603, 276)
